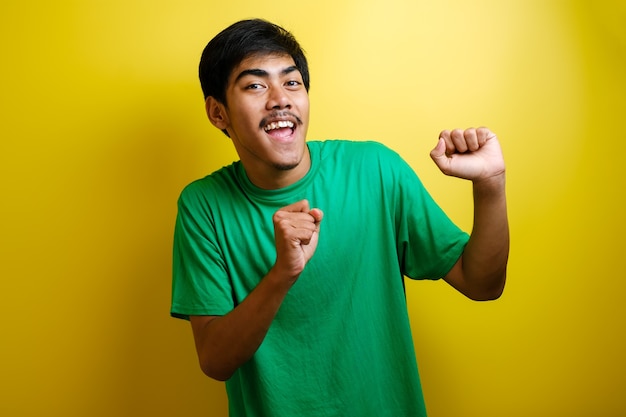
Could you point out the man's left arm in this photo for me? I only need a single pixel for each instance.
(475, 154)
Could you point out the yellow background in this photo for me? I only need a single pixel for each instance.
(102, 125)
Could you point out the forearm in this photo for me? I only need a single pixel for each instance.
(485, 257)
(225, 343)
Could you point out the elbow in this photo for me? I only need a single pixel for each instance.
(222, 377)
(489, 293)
(213, 371)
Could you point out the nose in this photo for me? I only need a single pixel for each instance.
(278, 98)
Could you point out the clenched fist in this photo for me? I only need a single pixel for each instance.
(296, 233)
(472, 154)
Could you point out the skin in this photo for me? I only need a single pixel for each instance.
(475, 155)
(263, 89)
(267, 88)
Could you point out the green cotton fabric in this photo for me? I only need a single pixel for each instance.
(340, 344)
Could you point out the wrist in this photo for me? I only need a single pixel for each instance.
(492, 184)
(282, 278)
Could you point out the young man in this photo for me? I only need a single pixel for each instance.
(290, 262)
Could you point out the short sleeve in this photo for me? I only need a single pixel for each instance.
(428, 242)
(200, 282)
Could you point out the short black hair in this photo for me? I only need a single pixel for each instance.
(239, 41)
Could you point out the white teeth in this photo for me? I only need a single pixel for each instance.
(278, 125)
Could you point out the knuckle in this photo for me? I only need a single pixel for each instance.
(469, 133)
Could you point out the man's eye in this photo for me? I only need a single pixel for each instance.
(254, 87)
(293, 83)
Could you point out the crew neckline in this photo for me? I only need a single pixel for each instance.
(285, 193)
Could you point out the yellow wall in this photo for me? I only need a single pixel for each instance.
(102, 125)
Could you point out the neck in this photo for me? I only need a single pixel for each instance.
(274, 177)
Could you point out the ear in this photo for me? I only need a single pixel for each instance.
(217, 114)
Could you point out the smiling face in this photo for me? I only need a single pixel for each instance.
(266, 115)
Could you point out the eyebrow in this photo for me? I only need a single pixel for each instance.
(258, 72)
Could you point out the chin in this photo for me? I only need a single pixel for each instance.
(286, 166)
(289, 160)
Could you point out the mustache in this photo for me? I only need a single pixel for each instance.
(283, 114)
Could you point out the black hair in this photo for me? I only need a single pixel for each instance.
(239, 41)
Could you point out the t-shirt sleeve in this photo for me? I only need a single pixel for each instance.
(200, 282)
(428, 242)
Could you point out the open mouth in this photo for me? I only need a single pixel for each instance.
(280, 129)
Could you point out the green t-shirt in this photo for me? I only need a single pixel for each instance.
(340, 344)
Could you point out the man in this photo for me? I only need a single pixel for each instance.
(289, 263)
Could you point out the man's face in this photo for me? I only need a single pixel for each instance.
(266, 116)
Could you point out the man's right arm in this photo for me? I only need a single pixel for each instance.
(224, 343)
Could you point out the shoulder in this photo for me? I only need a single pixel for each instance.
(343, 144)
(210, 186)
(348, 150)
